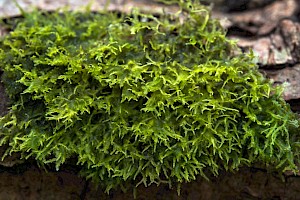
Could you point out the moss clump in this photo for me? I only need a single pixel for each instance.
(139, 98)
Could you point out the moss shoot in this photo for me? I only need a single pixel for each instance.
(138, 98)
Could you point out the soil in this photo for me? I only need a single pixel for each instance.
(271, 28)
(28, 181)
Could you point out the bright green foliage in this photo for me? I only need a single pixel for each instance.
(139, 98)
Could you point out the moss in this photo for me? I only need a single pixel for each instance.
(141, 99)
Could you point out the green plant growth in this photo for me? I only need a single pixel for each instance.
(138, 98)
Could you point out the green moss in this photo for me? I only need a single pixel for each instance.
(139, 98)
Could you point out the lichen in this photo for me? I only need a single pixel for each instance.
(139, 98)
